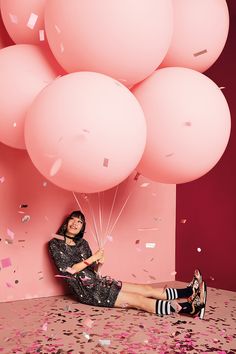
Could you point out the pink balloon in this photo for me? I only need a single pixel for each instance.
(124, 39)
(200, 32)
(188, 125)
(24, 20)
(85, 132)
(25, 69)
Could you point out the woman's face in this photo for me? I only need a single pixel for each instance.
(74, 226)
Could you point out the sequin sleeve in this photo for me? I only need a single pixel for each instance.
(61, 259)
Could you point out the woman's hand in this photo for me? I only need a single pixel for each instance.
(99, 255)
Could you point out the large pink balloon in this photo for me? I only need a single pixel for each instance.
(188, 125)
(24, 20)
(85, 132)
(25, 69)
(200, 32)
(125, 39)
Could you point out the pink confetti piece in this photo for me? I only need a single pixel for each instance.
(109, 238)
(57, 29)
(88, 322)
(9, 285)
(2, 179)
(13, 18)
(200, 53)
(6, 262)
(212, 278)
(55, 167)
(188, 124)
(14, 125)
(45, 184)
(45, 326)
(41, 35)
(199, 249)
(137, 176)
(148, 229)
(32, 20)
(170, 154)
(11, 234)
(183, 221)
(105, 162)
(62, 276)
(222, 87)
(173, 273)
(145, 184)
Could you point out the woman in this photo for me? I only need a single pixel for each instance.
(75, 261)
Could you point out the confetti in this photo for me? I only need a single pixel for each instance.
(45, 184)
(32, 20)
(109, 238)
(173, 273)
(200, 53)
(10, 233)
(6, 262)
(57, 29)
(199, 249)
(55, 167)
(148, 229)
(105, 162)
(222, 87)
(45, 326)
(137, 242)
(169, 155)
(9, 285)
(137, 176)
(26, 218)
(62, 47)
(23, 206)
(86, 335)
(41, 35)
(183, 221)
(188, 124)
(150, 245)
(14, 124)
(104, 342)
(88, 322)
(13, 18)
(143, 185)
(2, 179)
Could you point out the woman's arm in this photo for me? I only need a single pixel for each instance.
(78, 267)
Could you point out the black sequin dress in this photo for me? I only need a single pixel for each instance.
(87, 286)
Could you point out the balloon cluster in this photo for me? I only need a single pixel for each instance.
(96, 89)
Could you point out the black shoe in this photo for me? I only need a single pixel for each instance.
(195, 283)
(199, 302)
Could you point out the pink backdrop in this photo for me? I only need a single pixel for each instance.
(26, 271)
(208, 204)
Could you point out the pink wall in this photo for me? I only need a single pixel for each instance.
(25, 268)
(208, 204)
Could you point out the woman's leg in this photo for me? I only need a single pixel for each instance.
(137, 301)
(145, 290)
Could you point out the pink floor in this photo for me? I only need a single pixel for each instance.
(61, 325)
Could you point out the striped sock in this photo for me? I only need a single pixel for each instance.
(172, 294)
(163, 307)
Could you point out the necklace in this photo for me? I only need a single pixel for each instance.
(71, 238)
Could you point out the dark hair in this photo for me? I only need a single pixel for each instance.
(75, 214)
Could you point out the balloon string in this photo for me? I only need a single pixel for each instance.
(122, 208)
(100, 216)
(94, 222)
(109, 219)
(80, 207)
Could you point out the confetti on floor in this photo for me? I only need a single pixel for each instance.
(59, 324)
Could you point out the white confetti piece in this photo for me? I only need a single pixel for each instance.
(2, 179)
(150, 245)
(45, 326)
(109, 238)
(86, 335)
(62, 47)
(55, 167)
(145, 184)
(183, 221)
(104, 342)
(45, 184)
(13, 18)
(11, 234)
(32, 20)
(41, 35)
(14, 124)
(199, 249)
(173, 273)
(222, 87)
(26, 218)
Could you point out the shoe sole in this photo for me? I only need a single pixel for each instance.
(202, 311)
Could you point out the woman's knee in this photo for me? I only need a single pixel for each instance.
(126, 299)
